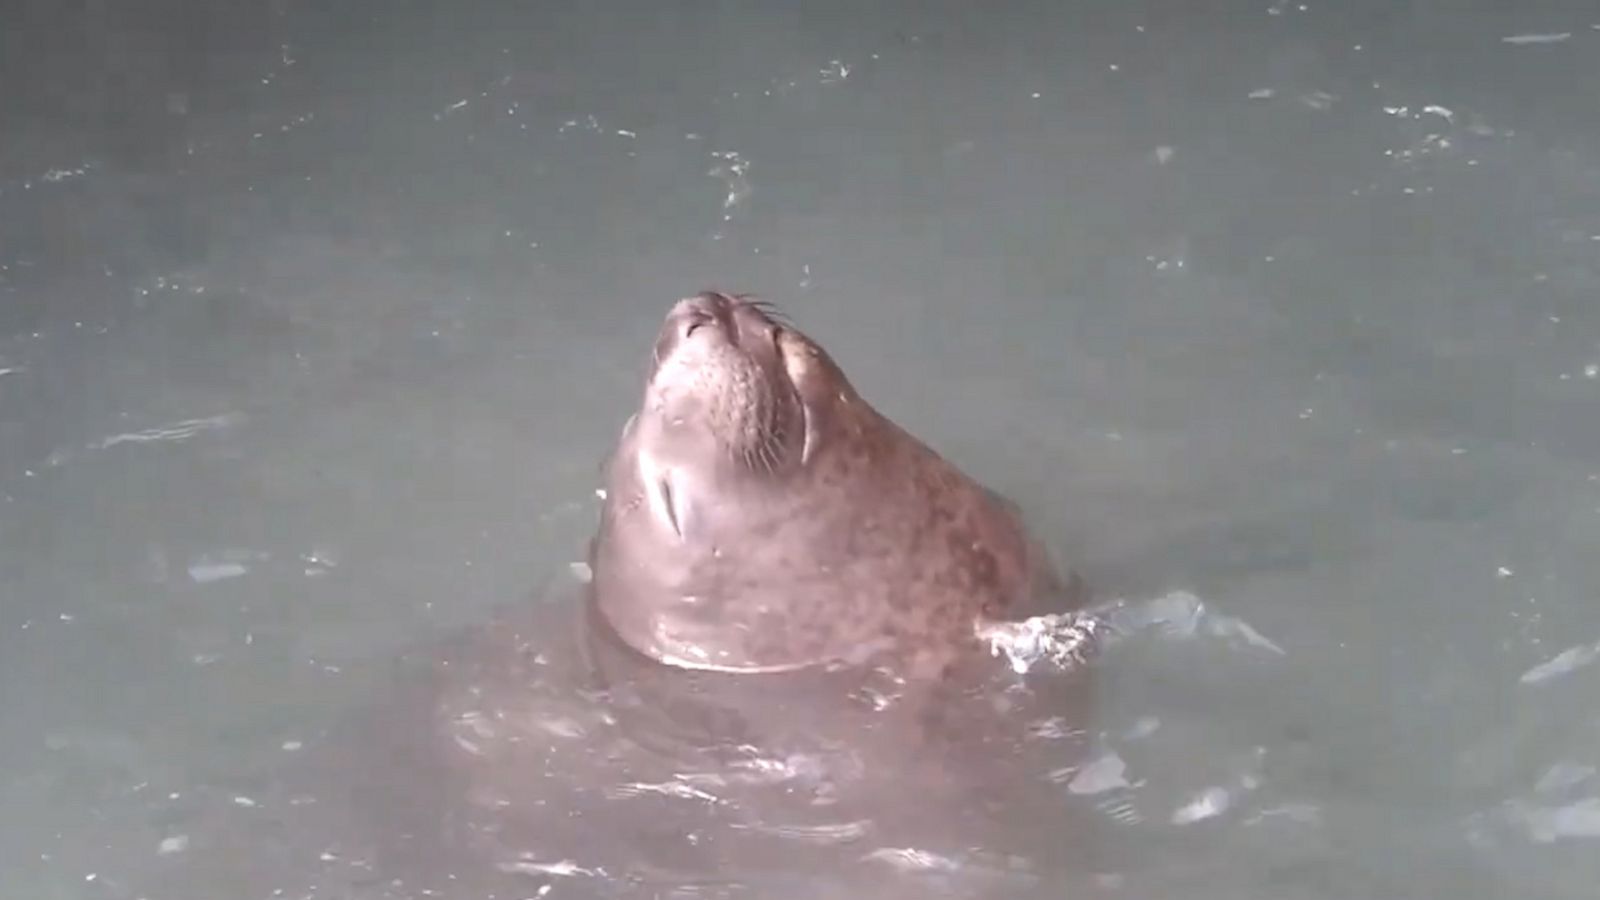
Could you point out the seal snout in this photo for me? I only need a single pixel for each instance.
(703, 308)
(707, 308)
(687, 318)
(722, 331)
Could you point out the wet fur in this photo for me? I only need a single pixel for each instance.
(802, 527)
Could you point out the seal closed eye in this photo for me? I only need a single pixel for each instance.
(761, 516)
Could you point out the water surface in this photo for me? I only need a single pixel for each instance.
(1278, 319)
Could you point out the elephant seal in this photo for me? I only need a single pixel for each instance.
(760, 516)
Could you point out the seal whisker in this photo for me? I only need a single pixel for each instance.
(763, 454)
(769, 452)
(766, 308)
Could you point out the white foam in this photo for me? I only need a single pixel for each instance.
(1568, 660)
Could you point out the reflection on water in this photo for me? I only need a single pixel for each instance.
(538, 753)
(1277, 318)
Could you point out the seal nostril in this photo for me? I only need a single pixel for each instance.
(694, 321)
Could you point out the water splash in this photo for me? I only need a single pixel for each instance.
(528, 865)
(679, 789)
(1184, 616)
(1562, 806)
(825, 835)
(1065, 640)
(1062, 639)
(1567, 661)
(1106, 772)
(1209, 803)
(1546, 38)
(733, 170)
(175, 432)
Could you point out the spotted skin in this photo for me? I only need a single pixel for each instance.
(760, 515)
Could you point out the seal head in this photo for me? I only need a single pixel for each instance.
(760, 516)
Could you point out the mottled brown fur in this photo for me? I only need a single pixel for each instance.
(839, 538)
